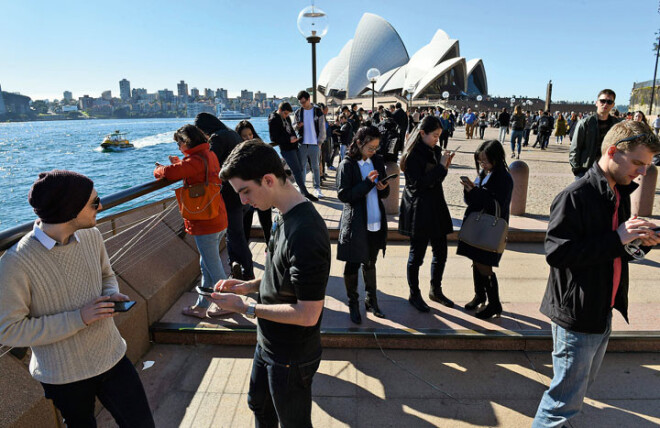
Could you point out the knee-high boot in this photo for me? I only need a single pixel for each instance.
(351, 283)
(494, 307)
(479, 289)
(371, 301)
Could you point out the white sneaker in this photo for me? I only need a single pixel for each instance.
(318, 194)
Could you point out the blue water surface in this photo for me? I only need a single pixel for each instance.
(28, 148)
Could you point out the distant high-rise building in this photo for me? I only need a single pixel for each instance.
(124, 89)
(106, 95)
(3, 109)
(182, 90)
(208, 93)
(139, 94)
(85, 102)
(68, 96)
(221, 93)
(194, 93)
(165, 96)
(247, 95)
(260, 96)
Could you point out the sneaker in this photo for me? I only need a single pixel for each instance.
(318, 194)
(518, 156)
(513, 155)
(236, 271)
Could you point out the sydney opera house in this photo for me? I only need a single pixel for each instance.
(435, 68)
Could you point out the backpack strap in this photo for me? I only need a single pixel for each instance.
(206, 171)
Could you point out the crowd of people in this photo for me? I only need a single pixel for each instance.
(59, 291)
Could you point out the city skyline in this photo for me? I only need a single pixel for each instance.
(256, 46)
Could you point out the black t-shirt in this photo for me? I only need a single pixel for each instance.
(603, 127)
(297, 268)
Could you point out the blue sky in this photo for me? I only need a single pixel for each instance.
(88, 46)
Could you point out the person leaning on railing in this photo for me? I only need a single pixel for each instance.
(198, 165)
(57, 290)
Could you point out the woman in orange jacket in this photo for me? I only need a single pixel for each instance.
(198, 164)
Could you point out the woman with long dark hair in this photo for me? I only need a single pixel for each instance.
(493, 186)
(363, 224)
(424, 215)
(199, 165)
(247, 132)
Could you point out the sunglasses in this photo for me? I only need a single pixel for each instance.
(606, 101)
(96, 202)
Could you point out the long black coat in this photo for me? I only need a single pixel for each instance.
(498, 188)
(424, 211)
(352, 190)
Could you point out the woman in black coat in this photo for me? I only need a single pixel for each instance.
(424, 215)
(363, 224)
(493, 184)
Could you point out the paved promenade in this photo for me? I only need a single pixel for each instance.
(206, 385)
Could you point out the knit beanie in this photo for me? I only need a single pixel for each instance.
(58, 195)
(209, 124)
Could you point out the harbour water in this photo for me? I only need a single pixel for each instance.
(28, 148)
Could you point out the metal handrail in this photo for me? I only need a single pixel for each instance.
(12, 235)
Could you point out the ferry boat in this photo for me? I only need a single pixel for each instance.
(116, 142)
(232, 115)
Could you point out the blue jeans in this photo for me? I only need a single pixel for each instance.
(281, 391)
(342, 152)
(210, 262)
(293, 160)
(576, 358)
(418, 247)
(119, 390)
(237, 245)
(310, 152)
(503, 131)
(516, 135)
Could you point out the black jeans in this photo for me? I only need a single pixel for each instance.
(119, 390)
(265, 220)
(482, 129)
(237, 246)
(416, 258)
(281, 391)
(444, 139)
(526, 133)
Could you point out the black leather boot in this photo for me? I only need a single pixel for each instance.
(435, 294)
(371, 301)
(416, 300)
(494, 307)
(351, 283)
(479, 290)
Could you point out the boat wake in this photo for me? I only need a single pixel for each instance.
(152, 140)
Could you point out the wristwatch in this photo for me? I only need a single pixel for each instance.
(251, 311)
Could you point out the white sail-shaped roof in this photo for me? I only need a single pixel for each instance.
(476, 70)
(440, 49)
(392, 80)
(436, 72)
(376, 45)
(335, 68)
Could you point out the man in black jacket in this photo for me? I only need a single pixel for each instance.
(591, 237)
(401, 119)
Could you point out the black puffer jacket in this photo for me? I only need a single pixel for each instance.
(423, 210)
(580, 248)
(352, 190)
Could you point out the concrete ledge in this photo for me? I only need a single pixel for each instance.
(159, 267)
(134, 324)
(26, 405)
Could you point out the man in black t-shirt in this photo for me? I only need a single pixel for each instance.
(590, 133)
(291, 292)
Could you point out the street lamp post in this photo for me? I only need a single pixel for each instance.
(373, 74)
(313, 25)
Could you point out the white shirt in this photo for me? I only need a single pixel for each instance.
(373, 212)
(309, 129)
(46, 240)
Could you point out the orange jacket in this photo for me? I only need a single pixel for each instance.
(191, 168)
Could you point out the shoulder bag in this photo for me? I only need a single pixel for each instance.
(485, 231)
(199, 201)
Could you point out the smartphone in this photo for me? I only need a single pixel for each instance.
(389, 177)
(455, 150)
(123, 306)
(204, 291)
(465, 179)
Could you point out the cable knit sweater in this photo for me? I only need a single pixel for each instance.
(41, 294)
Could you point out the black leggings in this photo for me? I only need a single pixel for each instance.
(265, 219)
